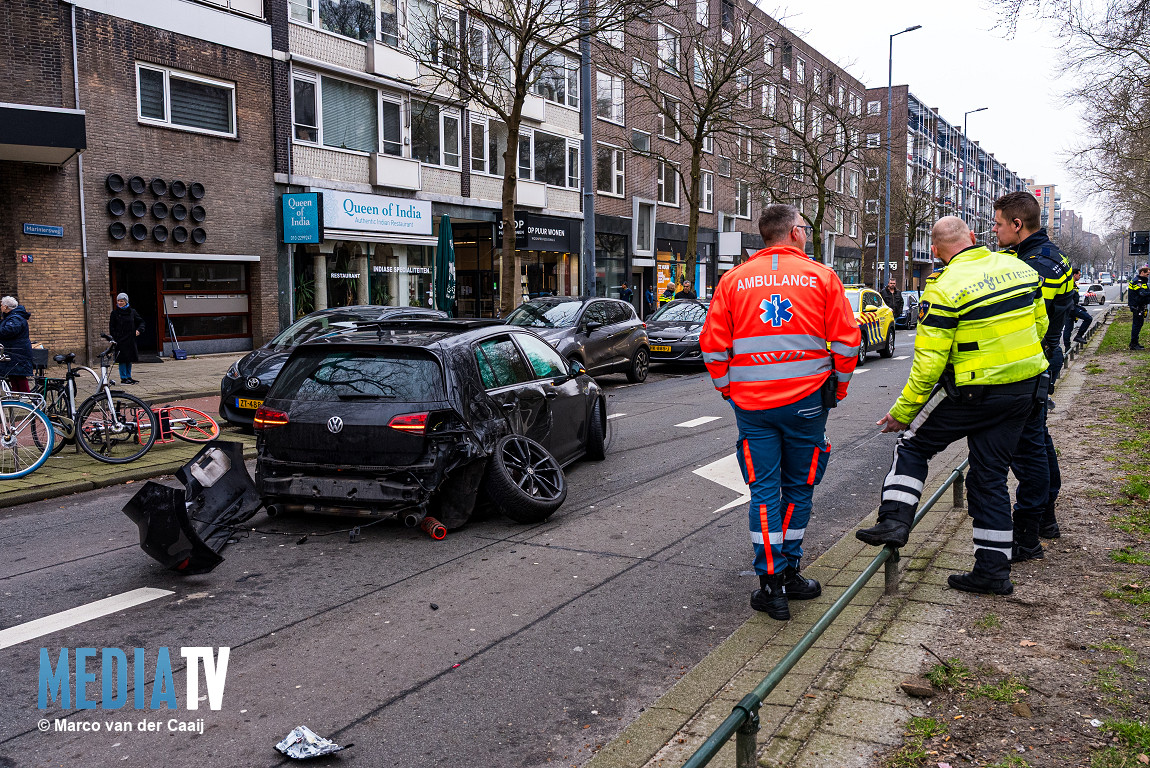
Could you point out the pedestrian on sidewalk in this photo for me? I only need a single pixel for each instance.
(1138, 298)
(649, 298)
(626, 294)
(1077, 312)
(968, 379)
(892, 297)
(17, 345)
(687, 292)
(124, 326)
(1018, 225)
(765, 343)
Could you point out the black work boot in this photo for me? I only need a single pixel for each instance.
(798, 587)
(1026, 545)
(1048, 525)
(893, 526)
(771, 597)
(991, 575)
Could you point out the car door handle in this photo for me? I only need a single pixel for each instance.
(550, 394)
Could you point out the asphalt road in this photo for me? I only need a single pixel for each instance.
(545, 640)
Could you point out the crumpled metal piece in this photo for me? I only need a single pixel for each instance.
(303, 744)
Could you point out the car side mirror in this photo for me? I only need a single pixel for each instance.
(870, 308)
(591, 326)
(577, 368)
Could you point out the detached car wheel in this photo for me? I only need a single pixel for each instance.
(596, 447)
(640, 364)
(888, 348)
(524, 480)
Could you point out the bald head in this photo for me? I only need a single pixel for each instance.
(949, 236)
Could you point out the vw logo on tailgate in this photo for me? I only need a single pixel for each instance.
(252, 383)
(334, 425)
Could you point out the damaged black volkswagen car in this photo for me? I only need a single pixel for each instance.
(422, 417)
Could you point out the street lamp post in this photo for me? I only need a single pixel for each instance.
(889, 108)
(966, 158)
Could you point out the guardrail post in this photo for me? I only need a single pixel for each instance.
(746, 744)
(959, 487)
(890, 574)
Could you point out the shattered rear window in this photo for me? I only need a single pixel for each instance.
(331, 375)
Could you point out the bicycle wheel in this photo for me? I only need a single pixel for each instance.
(192, 425)
(115, 434)
(20, 450)
(64, 429)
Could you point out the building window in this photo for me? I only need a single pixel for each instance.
(871, 173)
(800, 71)
(872, 140)
(609, 97)
(558, 80)
(432, 31)
(725, 167)
(788, 58)
(350, 18)
(743, 200)
(669, 120)
(610, 170)
(874, 107)
(668, 49)
(796, 166)
(668, 184)
(644, 227)
(707, 192)
(168, 97)
(703, 12)
(434, 135)
(743, 144)
(854, 228)
(640, 141)
(641, 71)
(872, 206)
(572, 166)
(745, 89)
(348, 115)
(550, 155)
(305, 118)
(797, 114)
(479, 147)
(709, 143)
(769, 52)
(854, 183)
(840, 221)
(871, 239)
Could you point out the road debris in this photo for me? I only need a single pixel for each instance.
(303, 744)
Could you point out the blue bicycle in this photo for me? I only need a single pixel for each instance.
(26, 435)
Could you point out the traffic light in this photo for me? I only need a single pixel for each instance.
(1140, 243)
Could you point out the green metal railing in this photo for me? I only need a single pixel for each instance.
(743, 722)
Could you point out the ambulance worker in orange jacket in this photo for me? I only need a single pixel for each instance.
(779, 333)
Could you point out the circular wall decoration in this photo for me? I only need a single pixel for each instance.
(116, 207)
(198, 213)
(117, 230)
(180, 234)
(179, 211)
(196, 190)
(139, 232)
(160, 209)
(199, 235)
(137, 185)
(159, 187)
(115, 183)
(160, 232)
(178, 188)
(138, 208)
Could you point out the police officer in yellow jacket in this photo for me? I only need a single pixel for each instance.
(978, 370)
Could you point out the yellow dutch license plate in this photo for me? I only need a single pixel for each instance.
(250, 405)
(660, 348)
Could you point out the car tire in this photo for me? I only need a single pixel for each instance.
(862, 352)
(887, 349)
(1101, 300)
(640, 364)
(524, 480)
(596, 447)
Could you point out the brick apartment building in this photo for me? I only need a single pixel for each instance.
(171, 201)
(927, 161)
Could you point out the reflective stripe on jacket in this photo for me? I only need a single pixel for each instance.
(1138, 293)
(776, 327)
(983, 315)
(1043, 256)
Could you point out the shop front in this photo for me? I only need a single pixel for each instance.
(546, 252)
(373, 250)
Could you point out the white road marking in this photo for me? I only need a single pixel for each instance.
(900, 357)
(615, 416)
(861, 370)
(699, 421)
(73, 616)
(726, 472)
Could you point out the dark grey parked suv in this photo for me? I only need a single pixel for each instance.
(605, 335)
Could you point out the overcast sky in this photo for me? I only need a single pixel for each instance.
(957, 62)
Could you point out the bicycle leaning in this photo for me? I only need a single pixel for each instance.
(26, 434)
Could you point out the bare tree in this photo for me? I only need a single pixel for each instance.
(811, 144)
(497, 52)
(700, 88)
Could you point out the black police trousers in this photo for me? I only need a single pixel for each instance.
(992, 425)
(1036, 466)
(1136, 326)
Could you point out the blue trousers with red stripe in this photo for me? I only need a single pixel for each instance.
(783, 453)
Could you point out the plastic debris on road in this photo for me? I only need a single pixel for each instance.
(303, 744)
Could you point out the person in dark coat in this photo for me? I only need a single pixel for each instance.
(686, 292)
(892, 297)
(17, 344)
(124, 326)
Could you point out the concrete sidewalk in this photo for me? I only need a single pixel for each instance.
(160, 383)
(842, 704)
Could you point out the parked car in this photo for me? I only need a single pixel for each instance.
(1105, 278)
(673, 331)
(909, 317)
(246, 383)
(604, 335)
(1095, 294)
(875, 319)
(417, 417)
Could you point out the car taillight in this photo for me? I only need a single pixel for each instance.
(266, 418)
(413, 423)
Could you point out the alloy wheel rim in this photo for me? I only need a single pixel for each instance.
(531, 468)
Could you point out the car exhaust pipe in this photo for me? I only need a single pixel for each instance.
(413, 518)
(433, 528)
(274, 510)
